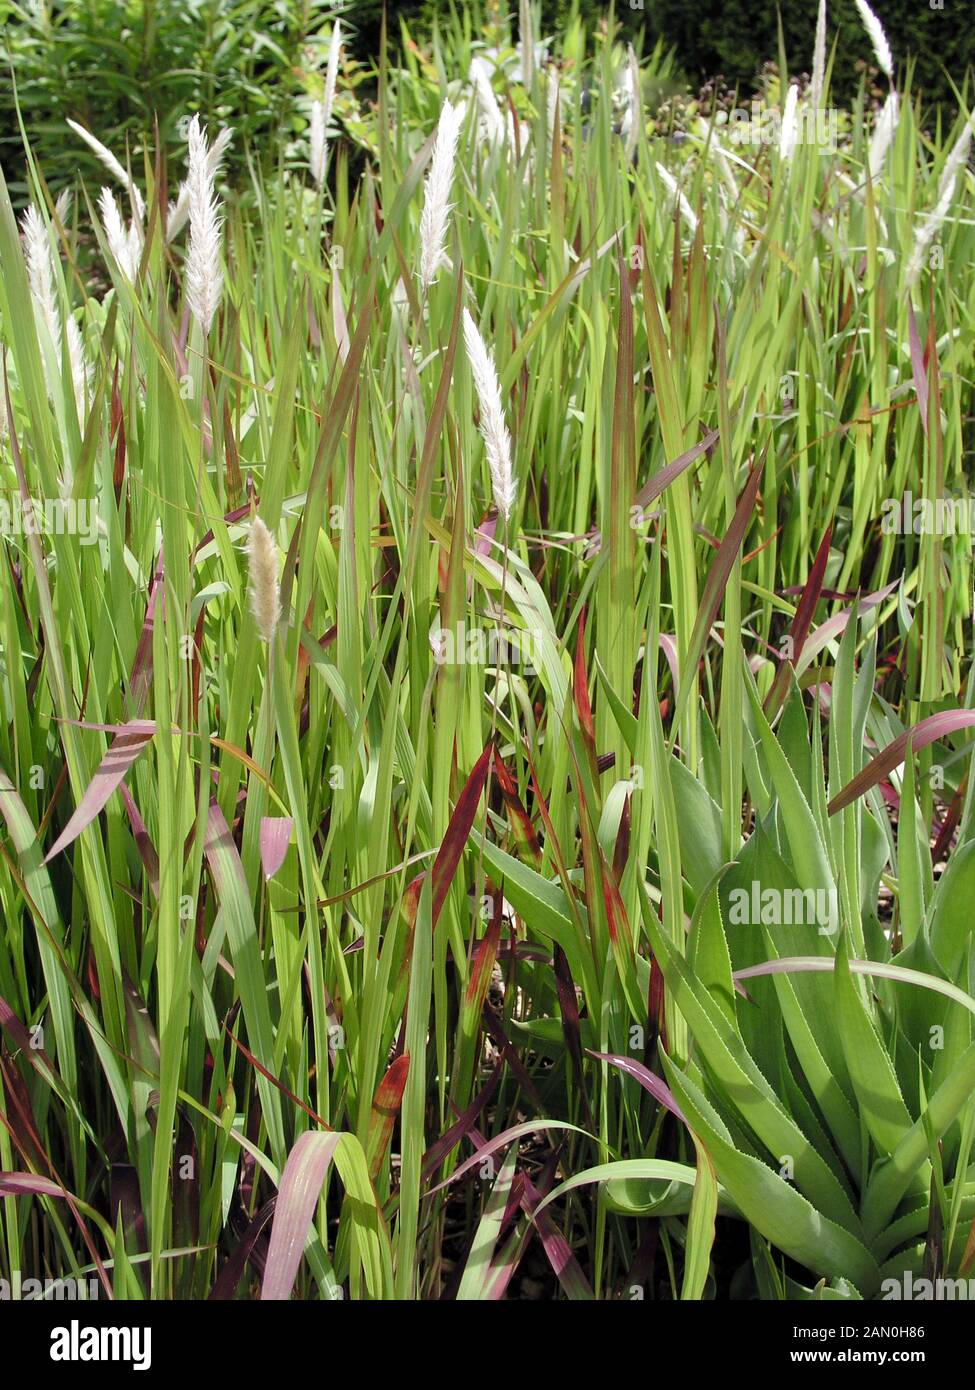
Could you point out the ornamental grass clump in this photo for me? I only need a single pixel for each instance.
(486, 699)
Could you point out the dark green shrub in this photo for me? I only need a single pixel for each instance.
(117, 67)
(734, 38)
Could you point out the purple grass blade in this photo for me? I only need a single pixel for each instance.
(918, 736)
(275, 837)
(918, 367)
(834, 627)
(449, 1140)
(147, 850)
(501, 1141)
(499, 1037)
(716, 582)
(29, 1185)
(801, 623)
(565, 1266)
(571, 1026)
(230, 1276)
(658, 1089)
(124, 750)
(662, 479)
(301, 1184)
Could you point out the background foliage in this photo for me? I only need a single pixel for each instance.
(735, 37)
(119, 67)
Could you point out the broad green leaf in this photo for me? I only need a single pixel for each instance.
(772, 1204)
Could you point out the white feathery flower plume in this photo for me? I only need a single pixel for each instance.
(135, 237)
(878, 38)
(818, 79)
(491, 119)
(552, 99)
(633, 115)
(321, 111)
(686, 211)
(883, 135)
(436, 199)
(946, 191)
(62, 206)
(79, 366)
(114, 167)
(708, 137)
(438, 644)
(121, 243)
(731, 228)
(40, 275)
(204, 275)
(332, 70)
(125, 243)
(316, 140)
(526, 43)
(179, 211)
(494, 430)
(262, 555)
(790, 124)
(731, 188)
